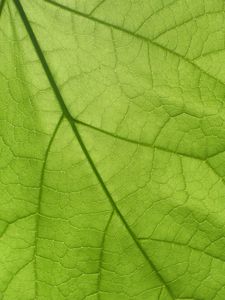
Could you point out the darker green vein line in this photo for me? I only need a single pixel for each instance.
(68, 116)
(185, 246)
(96, 7)
(206, 160)
(13, 277)
(186, 22)
(2, 6)
(40, 196)
(136, 142)
(42, 58)
(136, 35)
(14, 221)
(102, 253)
(214, 171)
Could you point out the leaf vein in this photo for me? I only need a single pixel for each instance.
(185, 245)
(2, 4)
(136, 35)
(68, 116)
(132, 141)
(40, 197)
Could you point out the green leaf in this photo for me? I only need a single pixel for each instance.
(112, 142)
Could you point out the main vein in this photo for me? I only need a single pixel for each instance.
(69, 117)
(1, 6)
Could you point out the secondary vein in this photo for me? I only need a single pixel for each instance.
(136, 35)
(40, 197)
(132, 141)
(102, 254)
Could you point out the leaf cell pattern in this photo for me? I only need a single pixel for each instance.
(112, 147)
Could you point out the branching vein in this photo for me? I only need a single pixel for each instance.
(69, 117)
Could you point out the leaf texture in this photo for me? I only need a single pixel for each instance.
(112, 140)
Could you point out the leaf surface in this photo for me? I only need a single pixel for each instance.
(112, 150)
